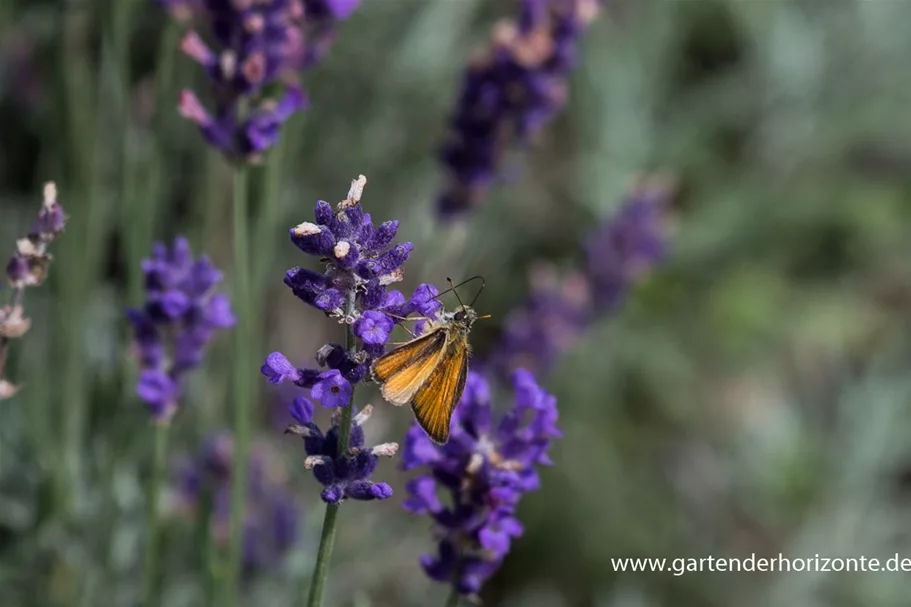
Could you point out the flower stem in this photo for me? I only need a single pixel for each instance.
(242, 384)
(327, 538)
(344, 432)
(142, 218)
(454, 596)
(80, 254)
(151, 561)
(121, 26)
(269, 218)
(323, 556)
(209, 560)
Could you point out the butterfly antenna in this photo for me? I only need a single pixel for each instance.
(481, 288)
(464, 282)
(452, 288)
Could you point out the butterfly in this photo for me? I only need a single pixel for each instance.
(429, 371)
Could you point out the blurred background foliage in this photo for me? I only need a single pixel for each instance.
(752, 396)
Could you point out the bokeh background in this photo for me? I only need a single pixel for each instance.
(751, 395)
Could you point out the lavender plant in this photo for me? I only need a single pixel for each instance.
(27, 268)
(170, 332)
(261, 48)
(509, 93)
(342, 474)
(361, 261)
(483, 471)
(273, 517)
(617, 254)
(179, 318)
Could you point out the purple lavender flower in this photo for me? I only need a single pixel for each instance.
(321, 18)
(343, 475)
(509, 93)
(278, 369)
(272, 514)
(360, 261)
(332, 390)
(484, 470)
(556, 313)
(27, 268)
(552, 317)
(171, 331)
(374, 327)
(360, 257)
(261, 46)
(28, 265)
(629, 244)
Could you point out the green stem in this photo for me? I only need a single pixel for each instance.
(243, 368)
(266, 223)
(270, 213)
(213, 569)
(208, 554)
(454, 597)
(85, 100)
(120, 35)
(344, 432)
(151, 562)
(323, 556)
(327, 539)
(142, 211)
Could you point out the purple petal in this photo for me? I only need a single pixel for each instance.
(374, 327)
(278, 369)
(219, 312)
(301, 409)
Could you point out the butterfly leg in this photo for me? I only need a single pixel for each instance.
(409, 331)
(396, 316)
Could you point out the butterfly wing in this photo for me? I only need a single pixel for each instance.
(437, 398)
(402, 371)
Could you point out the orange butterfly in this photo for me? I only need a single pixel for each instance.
(429, 371)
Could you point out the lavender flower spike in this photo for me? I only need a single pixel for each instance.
(27, 268)
(260, 46)
(359, 260)
(343, 475)
(170, 332)
(553, 317)
(629, 244)
(485, 469)
(509, 93)
(618, 255)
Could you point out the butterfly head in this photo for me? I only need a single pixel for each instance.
(465, 315)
